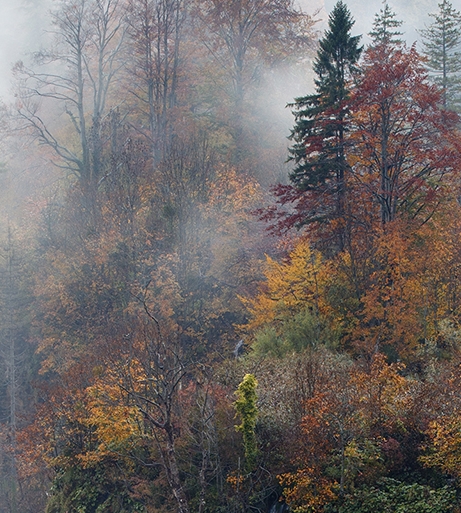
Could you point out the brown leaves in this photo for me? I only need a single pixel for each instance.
(349, 433)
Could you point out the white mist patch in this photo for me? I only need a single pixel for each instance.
(23, 28)
(281, 86)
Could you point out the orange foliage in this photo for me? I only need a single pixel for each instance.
(349, 432)
(79, 425)
(412, 287)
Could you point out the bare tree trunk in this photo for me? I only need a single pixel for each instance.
(156, 35)
(155, 391)
(12, 312)
(172, 470)
(77, 74)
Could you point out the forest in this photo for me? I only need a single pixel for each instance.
(203, 310)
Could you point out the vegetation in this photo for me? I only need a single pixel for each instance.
(442, 46)
(322, 122)
(161, 351)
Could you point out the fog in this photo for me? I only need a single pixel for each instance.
(136, 169)
(24, 25)
(414, 14)
(23, 28)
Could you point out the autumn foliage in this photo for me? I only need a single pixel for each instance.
(175, 355)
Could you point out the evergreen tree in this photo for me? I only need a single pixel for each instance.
(442, 47)
(385, 27)
(321, 122)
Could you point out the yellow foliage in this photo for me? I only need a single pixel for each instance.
(382, 395)
(102, 422)
(444, 451)
(306, 492)
(114, 424)
(235, 480)
(290, 287)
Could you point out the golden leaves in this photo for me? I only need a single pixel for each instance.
(444, 449)
(290, 286)
(306, 492)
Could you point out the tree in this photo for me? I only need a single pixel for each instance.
(242, 27)
(350, 432)
(88, 431)
(327, 429)
(392, 495)
(385, 27)
(246, 407)
(150, 370)
(442, 46)
(77, 76)
(15, 355)
(405, 146)
(243, 36)
(322, 120)
(289, 312)
(155, 29)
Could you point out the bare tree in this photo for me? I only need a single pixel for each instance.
(77, 75)
(242, 34)
(13, 354)
(186, 172)
(155, 39)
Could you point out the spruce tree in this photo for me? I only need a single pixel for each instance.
(321, 122)
(385, 27)
(442, 47)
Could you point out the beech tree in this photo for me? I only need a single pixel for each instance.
(405, 146)
(240, 29)
(243, 38)
(442, 46)
(156, 38)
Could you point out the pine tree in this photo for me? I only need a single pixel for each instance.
(442, 47)
(321, 123)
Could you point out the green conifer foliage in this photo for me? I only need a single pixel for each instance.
(385, 28)
(321, 121)
(442, 47)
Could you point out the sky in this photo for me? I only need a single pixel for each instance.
(414, 14)
(23, 25)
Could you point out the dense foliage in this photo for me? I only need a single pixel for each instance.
(163, 352)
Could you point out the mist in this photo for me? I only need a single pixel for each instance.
(157, 256)
(413, 13)
(23, 29)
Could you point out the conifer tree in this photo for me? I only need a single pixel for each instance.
(385, 27)
(321, 122)
(14, 354)
(442, 47)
